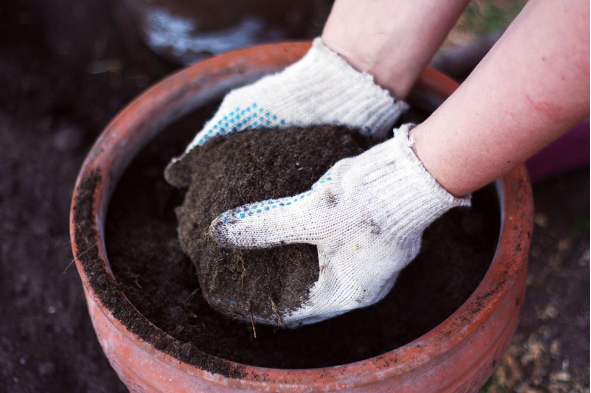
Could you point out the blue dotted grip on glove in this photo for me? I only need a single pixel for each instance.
(251, 117)
(260, 207)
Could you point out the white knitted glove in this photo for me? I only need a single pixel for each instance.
(366, 215)
(321, 88)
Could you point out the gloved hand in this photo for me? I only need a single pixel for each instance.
(366, 215)
(321, 88)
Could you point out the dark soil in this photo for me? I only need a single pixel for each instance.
(54, 101)
(161, 281)
(247, 167)
(106, 288)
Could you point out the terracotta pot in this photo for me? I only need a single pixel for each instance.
(458, 355)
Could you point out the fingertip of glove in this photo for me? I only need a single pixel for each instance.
(176, 175)
(218, 232)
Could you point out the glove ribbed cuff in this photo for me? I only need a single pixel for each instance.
(354, 100)
(404, 188)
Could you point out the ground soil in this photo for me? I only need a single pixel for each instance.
(161, 282)
(66, 70)
(248, 167)
(550, 351)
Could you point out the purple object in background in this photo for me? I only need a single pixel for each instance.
(568, 152)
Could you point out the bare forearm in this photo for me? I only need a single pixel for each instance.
(530, 89)
(391, 39)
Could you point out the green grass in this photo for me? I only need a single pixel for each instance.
(486, 17)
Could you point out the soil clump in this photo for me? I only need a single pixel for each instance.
(247, 167)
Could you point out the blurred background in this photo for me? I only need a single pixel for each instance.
(68, 66)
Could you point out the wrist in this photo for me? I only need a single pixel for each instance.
(370, 42)
(370, 60)
(391, 40)
(435, 163)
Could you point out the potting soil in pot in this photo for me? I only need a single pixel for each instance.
(247, 167)
(161, 281)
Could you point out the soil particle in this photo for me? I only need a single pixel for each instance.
(248, 167)
(143, 249)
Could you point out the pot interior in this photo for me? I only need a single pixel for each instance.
(160, 282)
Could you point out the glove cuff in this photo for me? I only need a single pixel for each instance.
(406, 189)
(344, 95)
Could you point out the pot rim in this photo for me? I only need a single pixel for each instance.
(185, 90)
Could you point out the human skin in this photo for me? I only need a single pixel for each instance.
(393, 40)
(531, 88)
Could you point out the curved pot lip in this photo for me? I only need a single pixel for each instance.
(514, 192)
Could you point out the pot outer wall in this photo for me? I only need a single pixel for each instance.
(465, 369)
(459, 355)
